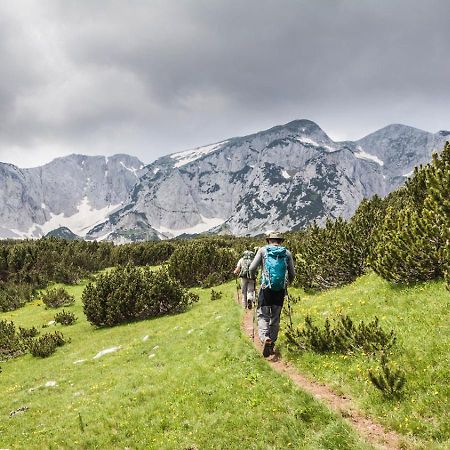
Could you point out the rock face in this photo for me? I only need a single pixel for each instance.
(75, 191)
(282, 178)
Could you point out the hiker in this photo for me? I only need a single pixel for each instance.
(277, 271)
(247, 282)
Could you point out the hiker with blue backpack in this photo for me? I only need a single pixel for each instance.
(277, 272)
(248, 281)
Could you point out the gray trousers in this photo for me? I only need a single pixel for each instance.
(269, 322)
(248, 290)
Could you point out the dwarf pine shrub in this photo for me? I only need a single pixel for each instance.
(11, 345)
(215, 295)
(14, 295)
(389, 381)
(65, 318)
(412, 241)
(343, 337)
(198, 263)
(130, 293)
(47, 344)
(57, 297)
(27, 333)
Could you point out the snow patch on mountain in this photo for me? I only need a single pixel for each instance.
(361, 154)
(189, 156)
(205, 225)
(309, 141)
(130, 169)
(80, 223)
(285, 174)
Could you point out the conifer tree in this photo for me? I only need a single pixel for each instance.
(412, 241)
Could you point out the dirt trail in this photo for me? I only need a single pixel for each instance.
(374, 433)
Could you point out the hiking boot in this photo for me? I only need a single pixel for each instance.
(249, 304)
(272, 348)
(268, 347)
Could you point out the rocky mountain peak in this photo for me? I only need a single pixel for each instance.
(281, 178)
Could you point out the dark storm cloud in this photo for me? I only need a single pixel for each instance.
(151, 77)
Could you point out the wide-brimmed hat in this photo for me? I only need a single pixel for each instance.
(274, 235)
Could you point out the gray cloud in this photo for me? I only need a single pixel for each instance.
(149, 78)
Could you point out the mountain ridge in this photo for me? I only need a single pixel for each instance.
(316, 178)
(283, 177)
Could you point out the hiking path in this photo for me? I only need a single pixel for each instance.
(371, 431)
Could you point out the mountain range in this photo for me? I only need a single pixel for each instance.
(282, 178)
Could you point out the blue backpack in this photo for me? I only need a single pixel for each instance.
(274, 272)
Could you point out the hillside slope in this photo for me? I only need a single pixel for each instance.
(194, 382)
(420, 318)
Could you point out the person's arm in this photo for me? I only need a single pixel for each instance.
(238, 267)
(257, 261)
(290, 266)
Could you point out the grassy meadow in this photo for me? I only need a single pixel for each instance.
(187, 381)
(420, 317)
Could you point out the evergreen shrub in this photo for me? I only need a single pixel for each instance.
(336, 254)
(388, 380)
(412, 241)
(215, 295)
(65, 318)
(343, 337)
(47, 344)
(57, 297)
(202, 263)
(129, 293)
(27, 333)
(14, 295)
(11, 345)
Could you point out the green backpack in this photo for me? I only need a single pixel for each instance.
(247, 259)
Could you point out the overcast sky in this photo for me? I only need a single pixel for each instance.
(153, 77)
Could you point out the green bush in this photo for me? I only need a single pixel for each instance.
(14, 296)
(27, 333)
(129, 293)
(57, 297)
(11, 345)
(412, 241)
(344, 337)
(202, 263)
(47, 344)
(65, 318)
(388, 380)
(336, 254)
(215, 295)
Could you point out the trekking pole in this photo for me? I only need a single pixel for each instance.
(237, 290)
(255, 304)
(289, 309)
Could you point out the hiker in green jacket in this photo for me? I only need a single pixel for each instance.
(277, 272)
(247, 281)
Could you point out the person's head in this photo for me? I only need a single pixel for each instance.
(248, 254)
(274, 238)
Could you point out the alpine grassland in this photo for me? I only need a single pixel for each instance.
(419, 315)
(182, 381)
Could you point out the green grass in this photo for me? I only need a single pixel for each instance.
(420, 317)
(197, 382)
